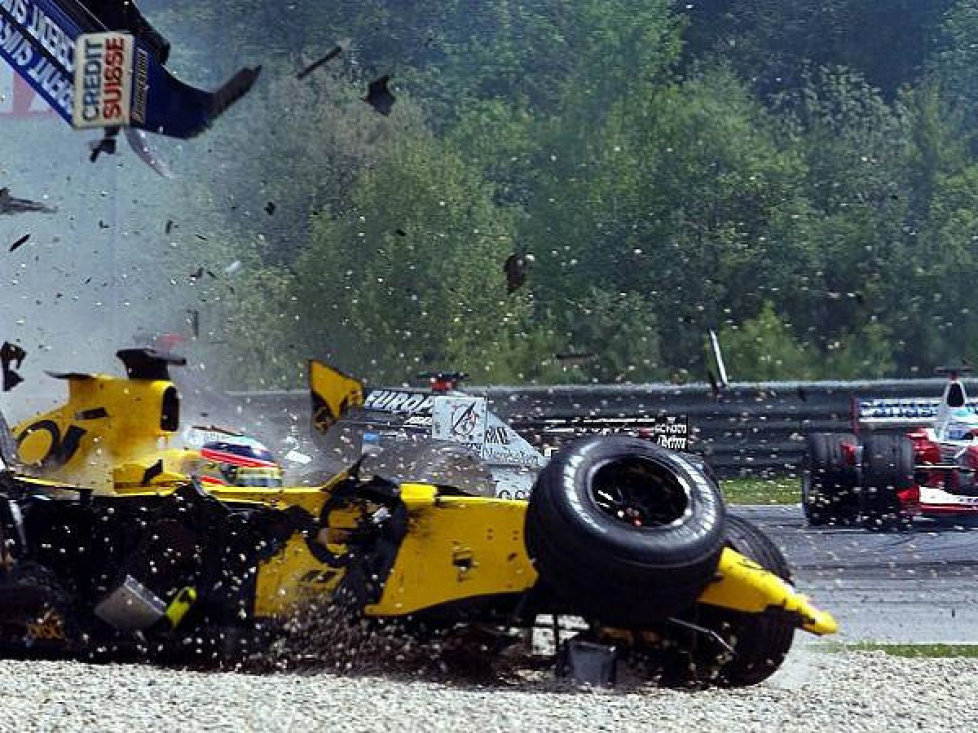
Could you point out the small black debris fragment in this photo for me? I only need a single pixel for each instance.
(400, 232)
(270, 208)
(11, 205)
(379, 96)
(333, 53)
(802, 394)
(197, 274)
(11, 354)
(169, 226)
(515, 269)
(201, 237)
(16, 245)
(106, 145)
(102, 224)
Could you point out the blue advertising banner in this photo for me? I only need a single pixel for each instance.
(37, 39)
(97, 77)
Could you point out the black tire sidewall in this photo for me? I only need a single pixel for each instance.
(829, 480)
(607, 569)
(887, 469)
(762, 641)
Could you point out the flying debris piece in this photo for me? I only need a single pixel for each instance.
(270, 208)
(193, 316)
(201, 237)
(379, 96)
(197, 274)
(11, 205)
(400, 232)
(169, 226)
(140, 145)
(802, 394)
(132, 87)
(102, 225)
(233, 267)
(334, 52)
(515, 269)
(10, 353)
(16, 245)
(106, 145)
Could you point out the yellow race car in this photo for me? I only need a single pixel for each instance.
(108, 544)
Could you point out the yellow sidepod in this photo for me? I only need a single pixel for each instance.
(456, 547)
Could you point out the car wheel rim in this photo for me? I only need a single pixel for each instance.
(640, 493)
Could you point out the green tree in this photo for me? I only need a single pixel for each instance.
(410, 278)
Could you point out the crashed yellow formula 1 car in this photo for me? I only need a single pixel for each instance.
(108, 545)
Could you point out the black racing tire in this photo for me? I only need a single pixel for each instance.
(623, 531)
(887, 469)
(829, 482)
(38, 612)
(760, 641)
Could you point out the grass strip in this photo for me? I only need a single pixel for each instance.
(913, 651)
(761, 490)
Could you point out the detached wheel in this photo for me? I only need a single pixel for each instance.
(888, 466)
(760, 641)
(829, 480)
(623, 531)
(743, 648)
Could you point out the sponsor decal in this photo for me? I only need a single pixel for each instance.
(497, 435)
(140, 87)
(459, 419)
(903, 409)
(669, 431)
(48, 628)
(103, 81)
(394, 401)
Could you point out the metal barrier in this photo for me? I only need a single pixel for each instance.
(755, 428)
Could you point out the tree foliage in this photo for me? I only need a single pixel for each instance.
(801, 177)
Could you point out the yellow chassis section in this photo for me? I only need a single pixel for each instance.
(459, 548)
(112, 431)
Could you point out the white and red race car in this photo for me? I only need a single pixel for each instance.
(883, 479)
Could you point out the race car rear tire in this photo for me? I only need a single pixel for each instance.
(760, 641)
(887, 468)
(623, 531)
(829, 482)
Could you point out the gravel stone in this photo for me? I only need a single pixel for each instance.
(850, 691)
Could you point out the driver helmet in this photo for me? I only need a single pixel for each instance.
(962, 425)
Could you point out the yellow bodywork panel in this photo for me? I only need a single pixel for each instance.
(743, 585)
(333, 393)
(460, 547)
(105, 423)
(455, 548)
(292, 578)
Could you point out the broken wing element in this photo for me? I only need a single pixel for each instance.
(333, 393)
(99, 63)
